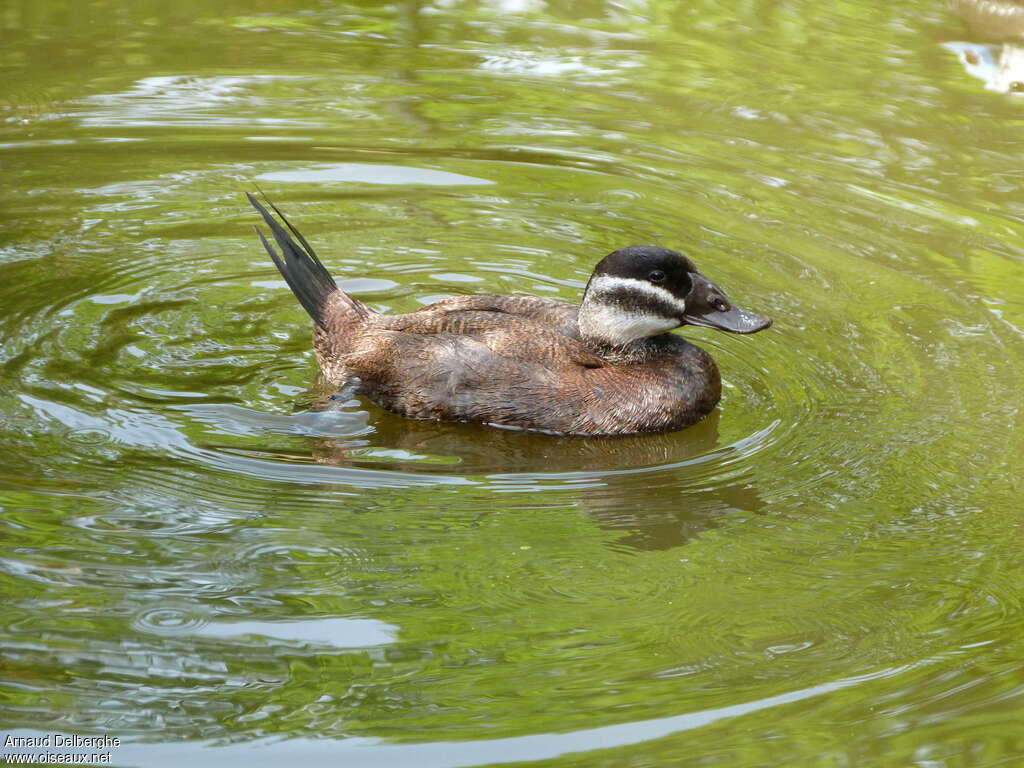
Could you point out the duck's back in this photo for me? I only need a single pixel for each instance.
(550, 314)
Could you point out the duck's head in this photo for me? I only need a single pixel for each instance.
(644, 290)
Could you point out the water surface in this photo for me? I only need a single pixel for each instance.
(827, 571)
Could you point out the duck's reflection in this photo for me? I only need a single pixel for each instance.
(996, 54)
(660, 490)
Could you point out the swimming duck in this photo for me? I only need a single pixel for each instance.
(606, 367)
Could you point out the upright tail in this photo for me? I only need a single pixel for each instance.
(308, 278)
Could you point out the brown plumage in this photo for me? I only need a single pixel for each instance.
(605, 368)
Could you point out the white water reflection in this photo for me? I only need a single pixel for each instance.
(340, 633)
(180, 100)
(370, 173)
(1000, 67)
(364, 752)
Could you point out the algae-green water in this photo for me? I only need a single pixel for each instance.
(199, 561)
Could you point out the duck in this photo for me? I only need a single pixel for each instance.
(606, 367)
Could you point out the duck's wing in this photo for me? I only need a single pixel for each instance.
(473, 366)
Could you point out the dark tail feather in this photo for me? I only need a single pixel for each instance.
(298, 264)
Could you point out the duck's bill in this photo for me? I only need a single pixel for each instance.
(733, 320)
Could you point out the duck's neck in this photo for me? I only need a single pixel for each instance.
(620, 336)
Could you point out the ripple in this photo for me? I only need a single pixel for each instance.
(170, 619)
(88, 436)
(296, 568)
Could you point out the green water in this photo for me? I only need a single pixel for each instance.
(826, 572)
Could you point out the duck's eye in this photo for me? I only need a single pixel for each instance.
(657, 276)
(721, 306)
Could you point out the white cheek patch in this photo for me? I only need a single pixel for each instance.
(617, 326)
(609, 283)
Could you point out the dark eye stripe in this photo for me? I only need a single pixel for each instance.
(629, 299)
